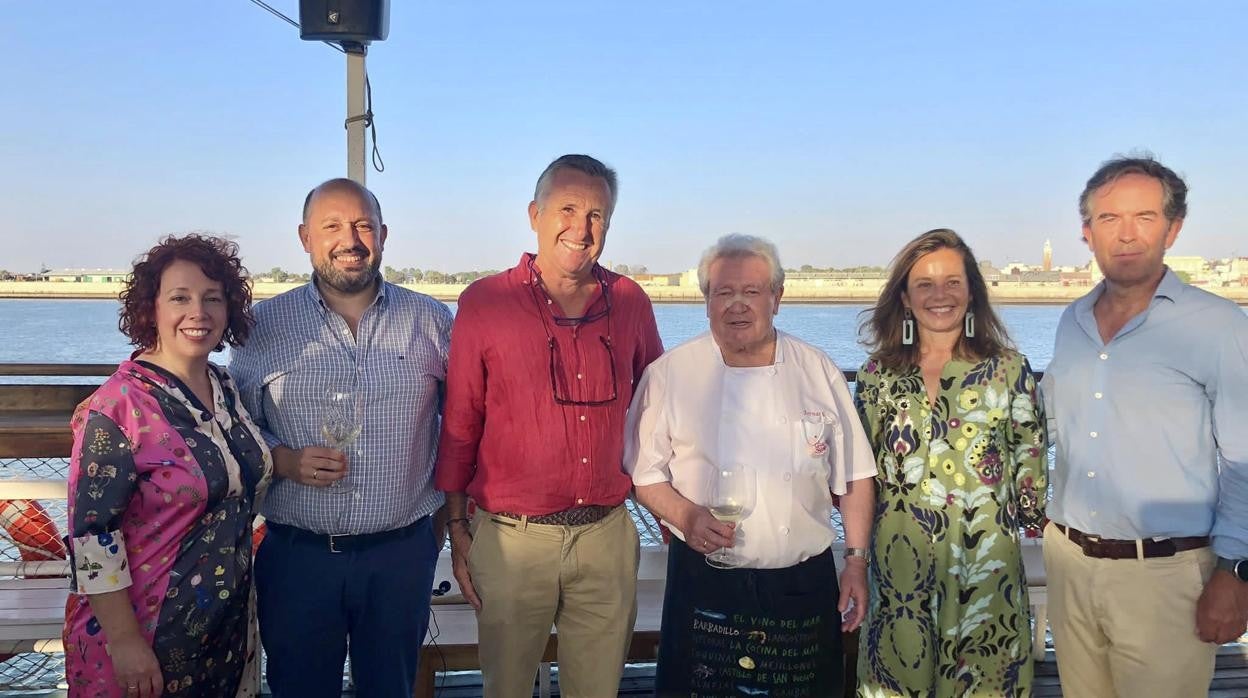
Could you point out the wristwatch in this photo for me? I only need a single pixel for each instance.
(862, 553)
(1239, 568)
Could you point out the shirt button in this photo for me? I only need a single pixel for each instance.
(788, 476)
(783, 420)
(1104, 357)
(579, 376)
(1091, 473)
(771, 371)
(1093, 435)
(582, 418)
(580, 501)
(1096, 395)
(1093, 513)
(359, 496)
(784, 530)
(584, 460)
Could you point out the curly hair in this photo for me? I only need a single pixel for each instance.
(217, 258)
(880, 331)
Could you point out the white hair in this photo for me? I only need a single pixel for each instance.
(738, 245)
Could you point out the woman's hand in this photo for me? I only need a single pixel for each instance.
(136, 668)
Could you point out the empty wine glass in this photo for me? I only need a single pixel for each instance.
(343, 422)
(732, 500)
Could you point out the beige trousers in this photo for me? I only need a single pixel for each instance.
(581, 579)
(1127, 628)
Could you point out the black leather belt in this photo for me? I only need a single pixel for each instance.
(341, 543)
(1111, 549)
(578, 516)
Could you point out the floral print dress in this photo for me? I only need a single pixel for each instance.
(162, 496)
(949, 614)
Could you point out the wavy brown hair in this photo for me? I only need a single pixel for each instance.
(217, 258)
(880, 331)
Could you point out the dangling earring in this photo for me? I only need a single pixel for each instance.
(968, 324)
(907, 329)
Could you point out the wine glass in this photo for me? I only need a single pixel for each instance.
(343, 421)
(732, 500)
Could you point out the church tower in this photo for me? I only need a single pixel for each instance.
(1048, 256)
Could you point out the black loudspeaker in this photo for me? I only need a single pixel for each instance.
(351, 21)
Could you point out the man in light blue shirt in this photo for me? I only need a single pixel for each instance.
(1147, 395)
(352, 542)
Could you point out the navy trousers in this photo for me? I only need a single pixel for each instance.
(311, 600)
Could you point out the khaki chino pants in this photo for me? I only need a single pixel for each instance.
(581, 579)
(1127, 627)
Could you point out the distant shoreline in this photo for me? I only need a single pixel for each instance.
(449, 293)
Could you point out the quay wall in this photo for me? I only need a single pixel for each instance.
(797, 290)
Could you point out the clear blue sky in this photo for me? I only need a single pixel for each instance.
(839, 130)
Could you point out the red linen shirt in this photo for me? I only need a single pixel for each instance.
(506, 441)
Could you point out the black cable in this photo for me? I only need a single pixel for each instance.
(271, 10)
(378, 163)
(433, 640)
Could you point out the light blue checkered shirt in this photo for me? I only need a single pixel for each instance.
(299, 351)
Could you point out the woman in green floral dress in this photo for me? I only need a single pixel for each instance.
(958, 432)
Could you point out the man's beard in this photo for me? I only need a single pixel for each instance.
(348, 282)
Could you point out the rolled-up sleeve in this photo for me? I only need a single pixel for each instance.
(855, 447)
(102, 480)
(647, 437)
(463, 421)
(1229, 396)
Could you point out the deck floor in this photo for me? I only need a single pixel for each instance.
(1230, 680)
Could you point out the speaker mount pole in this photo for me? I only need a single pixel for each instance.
(357, 116)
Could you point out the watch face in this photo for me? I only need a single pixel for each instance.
(1241, 570)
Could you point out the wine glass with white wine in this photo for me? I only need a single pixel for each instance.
(342, 424)
(732, 500)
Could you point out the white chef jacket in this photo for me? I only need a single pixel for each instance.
(793, 421)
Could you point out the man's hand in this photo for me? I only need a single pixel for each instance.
(315, 466)
(853, 587)
(135, 667)
(705, 533)
(1222, 612)
(461, 540)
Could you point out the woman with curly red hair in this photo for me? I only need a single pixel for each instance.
(166, 476)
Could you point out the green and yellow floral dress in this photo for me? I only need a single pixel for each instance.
(958, 479)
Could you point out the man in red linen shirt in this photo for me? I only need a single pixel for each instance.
(543, 360)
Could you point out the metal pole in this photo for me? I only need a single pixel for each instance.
(355, 114)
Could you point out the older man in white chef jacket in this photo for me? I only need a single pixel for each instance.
(759, 427)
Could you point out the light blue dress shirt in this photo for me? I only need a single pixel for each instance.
(395, 363)
(1151, 428)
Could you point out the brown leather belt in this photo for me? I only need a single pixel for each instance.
(578, 516)
(1095, 546)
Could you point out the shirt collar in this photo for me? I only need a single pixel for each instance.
(314, 296)
(1170, 288)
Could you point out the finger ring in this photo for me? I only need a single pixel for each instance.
(316, 474)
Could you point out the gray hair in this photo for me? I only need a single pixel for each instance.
(738, 245)
(583, 164)
(1173, 188)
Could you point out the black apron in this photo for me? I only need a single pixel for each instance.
(750, 632)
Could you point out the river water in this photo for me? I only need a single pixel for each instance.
(85, 331)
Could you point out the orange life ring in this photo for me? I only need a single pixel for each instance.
(33, 532)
